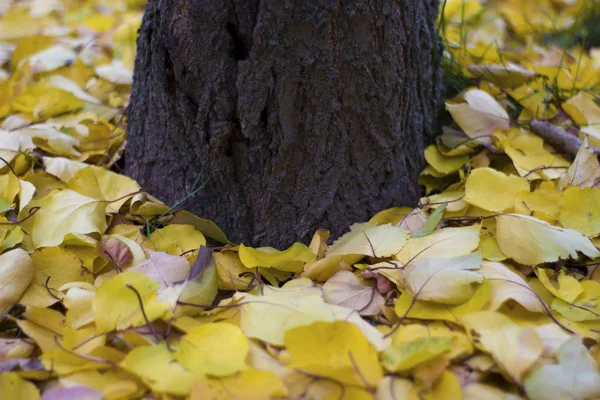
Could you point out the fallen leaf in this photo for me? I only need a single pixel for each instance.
(508, 285)
(514, 348)
(346, 290)
(217, 349)
(446, 281)
(335, 350)
(407, 355)
(13, 387)
(66, 212)
(530, 241)
(575, 376)
(481, 116)
(580, 210)
(366, 239)
(117, 306)
(492, 190)
(16, 273)
(177, 239)
(157, 367)
(250, 384)
(292, 260)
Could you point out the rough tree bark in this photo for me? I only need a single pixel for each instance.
(300, 113)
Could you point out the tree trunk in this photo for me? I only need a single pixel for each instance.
(297, 114)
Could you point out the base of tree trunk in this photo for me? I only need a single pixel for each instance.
(296, 115)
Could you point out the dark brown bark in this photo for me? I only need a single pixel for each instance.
(300, 113)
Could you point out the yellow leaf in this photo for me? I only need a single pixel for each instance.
(508, 285)
(14, 388)
(407, 355)
(585, 307)
(44, 325)
(462, 345)
(492, 190)
(327, 267)
(373, 335)
(229, 269)
(177, 239)
(295, 383)
(535, 98)
(369, 240)
(43, 102)
(392, 216)
(514, 348)
(407, 307)
(79, 303)
(445, 281)
(529, 153)
(318, 243)
(574, 377)
(28, 46)
(217, 349)
(585, 170)
(509, 75)
(566, 287)
(101, 184)
(16, 273)
(543, 202)
(480, 116)
(292, 260)
(206, 226)
(442, 243)
(336, 350)
(47, 138)
(248, 385)
(156, 366)
(66, 212)
(530, 241)
(447, 387)
(583, 109)
(286, 308)
(116, 305)
(580, 210)
(442, 163)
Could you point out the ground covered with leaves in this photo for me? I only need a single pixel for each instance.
(488, 290)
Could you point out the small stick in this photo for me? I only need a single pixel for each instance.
(558, 137)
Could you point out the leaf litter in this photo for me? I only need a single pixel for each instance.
(488, 290)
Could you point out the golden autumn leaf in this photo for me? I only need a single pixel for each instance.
(157, 367)
(369, 240)
(116, 304)
(65, 212)
(515, 349)
(492, 190)
(531, 241)
(292, 259)
(336, 350)
(446, 281)
(480, 116)
(250, 384)
(13, 387)
(217, 349)
(16, 273)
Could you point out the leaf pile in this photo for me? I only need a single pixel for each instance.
(488, 290)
